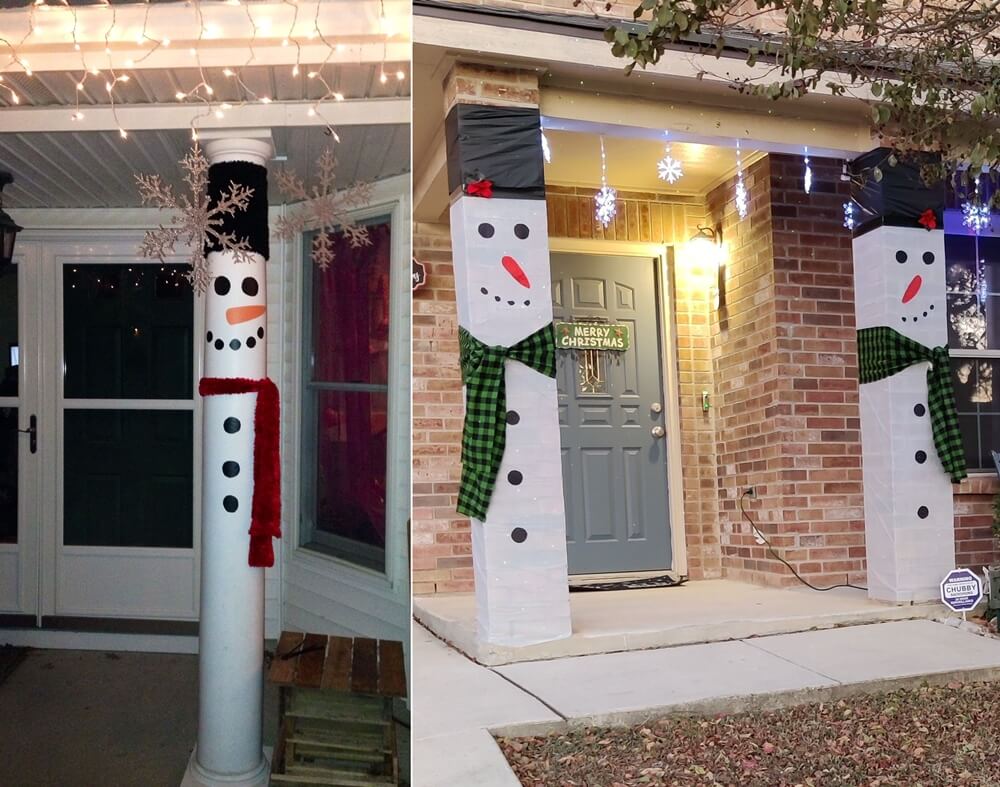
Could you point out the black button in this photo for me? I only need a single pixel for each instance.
(208, 336)
(230, 469)
(515, 477)
(219, 344)
(922, 512)
(919, 409)
(231, 425)
(920, 456)
(518, 535)
(230, 503)
(251, 342)
(513, 417)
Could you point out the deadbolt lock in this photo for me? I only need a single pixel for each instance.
(656, 407)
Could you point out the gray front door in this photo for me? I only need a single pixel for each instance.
(614, 467)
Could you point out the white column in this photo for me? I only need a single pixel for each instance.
(899, 282)
(231, 647)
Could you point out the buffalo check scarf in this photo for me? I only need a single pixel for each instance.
(484, 436)
(883, 351)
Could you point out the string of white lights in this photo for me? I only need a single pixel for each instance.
(114, 73)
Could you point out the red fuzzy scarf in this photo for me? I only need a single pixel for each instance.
(265, 519)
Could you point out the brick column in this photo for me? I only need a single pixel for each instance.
(502, 289)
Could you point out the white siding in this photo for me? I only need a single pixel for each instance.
(323, 594)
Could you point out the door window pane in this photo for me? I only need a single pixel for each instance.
(128, 332)
(128, 479)
(8, 475)
(345, 401)
(10, 360)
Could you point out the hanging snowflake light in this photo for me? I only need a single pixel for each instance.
(742, 197)
(546, 150)
(606, 198)
(807, 175)
(668, 168)
(849, 215)
(975, 214)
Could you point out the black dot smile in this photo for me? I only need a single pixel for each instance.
(484, 291)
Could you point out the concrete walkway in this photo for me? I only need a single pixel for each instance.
(460, 702)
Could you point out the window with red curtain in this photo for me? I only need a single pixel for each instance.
(345, 407)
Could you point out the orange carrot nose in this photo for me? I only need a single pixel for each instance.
(239, 314)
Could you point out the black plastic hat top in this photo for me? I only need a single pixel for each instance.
(502, 145)
(901, 197)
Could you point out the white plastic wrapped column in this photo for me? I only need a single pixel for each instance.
(231, 642)
(899, 282)
(519, 553)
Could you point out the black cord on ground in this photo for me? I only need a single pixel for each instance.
(770, 549)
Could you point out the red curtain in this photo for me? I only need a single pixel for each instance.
(351, 345)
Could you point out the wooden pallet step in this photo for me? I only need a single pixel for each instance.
(301, 780)
(320, 715)
(344, 778)
(347, 734)
(337, 707)
(347, 746)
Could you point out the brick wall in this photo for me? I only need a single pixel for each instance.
(786, 369)
(975, 546)
(442, 542)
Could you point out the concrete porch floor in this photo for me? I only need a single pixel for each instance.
(83, 718)
(712, 610)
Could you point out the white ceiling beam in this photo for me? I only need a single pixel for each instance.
(359, 112)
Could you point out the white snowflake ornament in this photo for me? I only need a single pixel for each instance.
(606, 203)
(669, 169)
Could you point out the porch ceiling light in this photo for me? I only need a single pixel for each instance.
(8, 227)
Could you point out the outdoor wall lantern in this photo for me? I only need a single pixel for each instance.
(706, 244)
(8, 227)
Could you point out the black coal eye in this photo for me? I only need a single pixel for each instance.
(521, 230)
(900, 256)
(928, 257)
(221, 285)
(250, 286)
(486, 230)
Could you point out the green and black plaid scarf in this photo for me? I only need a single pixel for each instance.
(883, 351)
(484, 436)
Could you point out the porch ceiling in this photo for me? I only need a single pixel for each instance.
(95, 169)
(159, 86)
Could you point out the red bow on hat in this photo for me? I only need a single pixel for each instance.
(928, 219)
(479, 188)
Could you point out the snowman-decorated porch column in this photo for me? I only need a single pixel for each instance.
(512, 467)
(911, 447)
(240, 503)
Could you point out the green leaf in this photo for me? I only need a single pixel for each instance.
(681, 21)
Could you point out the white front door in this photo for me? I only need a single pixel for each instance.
(105, 534)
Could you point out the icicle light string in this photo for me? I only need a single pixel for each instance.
(113, 76)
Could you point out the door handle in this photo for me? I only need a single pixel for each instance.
(32, 432)
(658, 432)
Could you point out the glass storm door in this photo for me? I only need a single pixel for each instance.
(125, 419)
(19, 457)
(612, 418)
(98, 489)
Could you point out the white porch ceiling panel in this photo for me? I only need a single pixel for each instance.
(96, 169)
(160, 86)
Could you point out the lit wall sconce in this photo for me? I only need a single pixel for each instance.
(706, 244)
